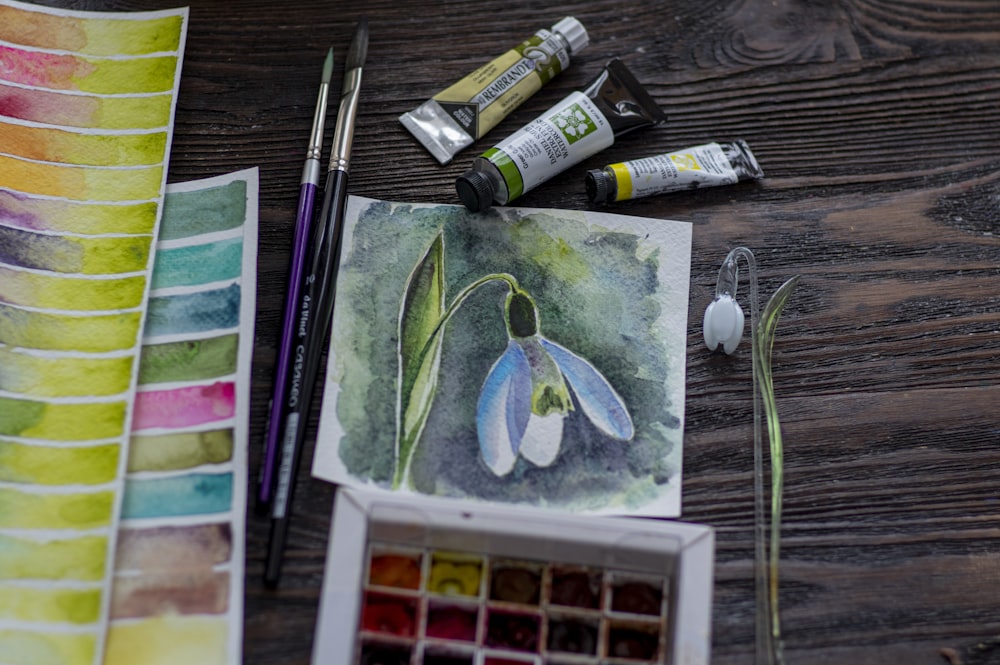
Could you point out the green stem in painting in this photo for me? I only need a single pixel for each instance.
(422, 323)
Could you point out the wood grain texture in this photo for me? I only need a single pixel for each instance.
(877, 123)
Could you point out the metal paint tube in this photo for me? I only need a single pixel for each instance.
(708, 165)
(454, 118)
(582, 124)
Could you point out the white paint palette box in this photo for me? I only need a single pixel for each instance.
(413, 581)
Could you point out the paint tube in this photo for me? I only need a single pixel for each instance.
(709, 165)
(454, 118)
(582, 124)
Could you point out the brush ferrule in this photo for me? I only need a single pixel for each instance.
(343, 136)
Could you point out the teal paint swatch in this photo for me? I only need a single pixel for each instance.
(198, 264)
(205, 211)
(193, 312)
(193, 494)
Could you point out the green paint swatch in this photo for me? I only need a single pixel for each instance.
(179, 450)
(134, 75)
(87, 255)
(85, 217)
(48, 648)
(70, 293)
(31, 604)
(31, 510)
(198, 264)
(62, 422)
(66, 332)
(188, 360)
(80, 559)
(42, 376)
(56, 465)
(205, 210)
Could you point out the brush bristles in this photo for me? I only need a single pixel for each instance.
(359, 46)
(328, 66)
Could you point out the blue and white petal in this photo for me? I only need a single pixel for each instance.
(597, 398)
(542, 438)
(504, 409)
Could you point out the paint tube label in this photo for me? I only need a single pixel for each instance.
(563, 136)
(486, 96)
(691, 168)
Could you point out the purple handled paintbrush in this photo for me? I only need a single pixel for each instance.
(300, 251)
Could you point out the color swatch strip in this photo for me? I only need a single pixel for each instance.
(86, 117)
(179, 562)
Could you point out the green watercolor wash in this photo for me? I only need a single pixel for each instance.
(134, 184)
(135, 75)
(24, 510)
(40, 376)
(51, 605)
(40, 648)
(116, 255)
(59, 332)
(198, 264)
(180, 450)
(133, 112)
(52, 465)
(117, 149)
(79, 559)
(71, 293)
(204, 210)
(130, 36)
(62, 422)
(189, 360)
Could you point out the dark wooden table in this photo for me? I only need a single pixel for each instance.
(877, 123)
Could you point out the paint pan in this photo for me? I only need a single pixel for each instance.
(438, 582)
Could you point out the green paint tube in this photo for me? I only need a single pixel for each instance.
(454, 118)
(581, 125)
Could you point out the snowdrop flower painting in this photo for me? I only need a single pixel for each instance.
(521, 355)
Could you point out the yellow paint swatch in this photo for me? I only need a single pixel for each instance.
(54, 291)
(168, 640)
(91, 35)
(82, 183)
(84, 217)
(179, 450)
(62, 422)
(61, 332)
(58, 465)
(79, 559)
(31, 604)
(45, 376)
(59, 145)
(53, 107)
(32, 510)
(48, 648)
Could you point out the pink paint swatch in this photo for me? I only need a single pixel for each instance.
(184, 407)
(46, 70)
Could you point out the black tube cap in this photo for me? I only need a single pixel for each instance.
(475, 189)
(598, 185)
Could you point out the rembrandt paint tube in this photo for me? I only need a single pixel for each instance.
(584, 123)
(454, 118)
(709, 165)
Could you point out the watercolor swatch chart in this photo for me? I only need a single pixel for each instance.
(178, 589)
(86, 114)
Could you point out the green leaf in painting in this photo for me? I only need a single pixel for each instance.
(419, 352)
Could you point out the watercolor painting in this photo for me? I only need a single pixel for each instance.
(521, 356)
(179, 564)
(82, 179)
